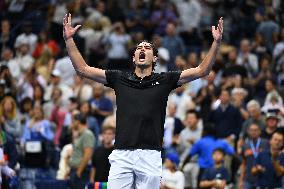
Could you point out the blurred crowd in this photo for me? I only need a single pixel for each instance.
(222, 131)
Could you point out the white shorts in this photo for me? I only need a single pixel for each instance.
(135, 169)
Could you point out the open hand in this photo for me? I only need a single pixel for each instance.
(217, 32)
(68, 30)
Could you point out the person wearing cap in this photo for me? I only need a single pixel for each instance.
(271, 126)
(56, 81)
(142, 97)
(172, 177)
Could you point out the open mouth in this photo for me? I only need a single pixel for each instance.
(141, 56)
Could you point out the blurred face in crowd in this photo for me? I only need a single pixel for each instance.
(170, 29)
(245, 46)
(108, 136)
(56, 94)
(24, 49)
(276, 142)
(38, 93)
(192, 59)
(85, 108)
(38, 113)
(8, 105)
(169, 164)
(254, 112)
(232, 56)
(225, 97)
(5, 27)
(7, 54)
(55, 80)
(272, 123)
(172, 109)
(254, 131)
(218, 157)
(191, 121)
(144, 55)
(98, 90)
(269, 86)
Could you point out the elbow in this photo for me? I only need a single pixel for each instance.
(203, 72)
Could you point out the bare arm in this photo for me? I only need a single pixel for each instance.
(88, 152)
(204, 68)
(78, 62)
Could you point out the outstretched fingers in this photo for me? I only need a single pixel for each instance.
(77, 27)
(69, 19)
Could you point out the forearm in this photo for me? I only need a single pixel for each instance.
(207, 63)
(92, 174)
(278, 168)
(84, 162)
(207, 184)
(80, 65)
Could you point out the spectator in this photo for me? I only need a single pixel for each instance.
(173, 43)
(172, 129)
(271, 125)
(118, 41)
(204, 149)
(269, 29)
(171, 177)
(9, 117)
(6, 37)
(36, 140)
(100, 162)
(217, 176)
(28, 36)
(269, 164)
(83, 147)
(92, 122)
(188, 136)
(66, 71)
(101, 105)
(162, 14)
(255, 116)
(253, 145)
(227, 118)
(247, 59)
(82, 89)
(55, 81)
(23, 58)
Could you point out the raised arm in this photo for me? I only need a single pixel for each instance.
(204, 68)
(78, 62)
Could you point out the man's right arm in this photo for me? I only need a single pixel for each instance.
(80, 65)
(78, 62)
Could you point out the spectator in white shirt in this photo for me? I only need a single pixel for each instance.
(171, 177)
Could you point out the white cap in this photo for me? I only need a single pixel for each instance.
(56, 73)
(164, 54)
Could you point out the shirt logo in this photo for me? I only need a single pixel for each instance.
(157, 83)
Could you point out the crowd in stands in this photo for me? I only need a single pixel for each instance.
(221, 131)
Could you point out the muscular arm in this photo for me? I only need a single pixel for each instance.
(204, 68)
(78, 62)
(80, 65)
(88, 152)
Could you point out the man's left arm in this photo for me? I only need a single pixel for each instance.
(88, 152)
(204, 68)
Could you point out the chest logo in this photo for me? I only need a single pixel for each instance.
(157, 83)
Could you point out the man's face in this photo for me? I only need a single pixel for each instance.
(225, 97)
(108, 136)
(254, 131)
(218, 157)
(276, 142)
(254, 112)
(272, 122)
(191, 120)
(143, 55)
